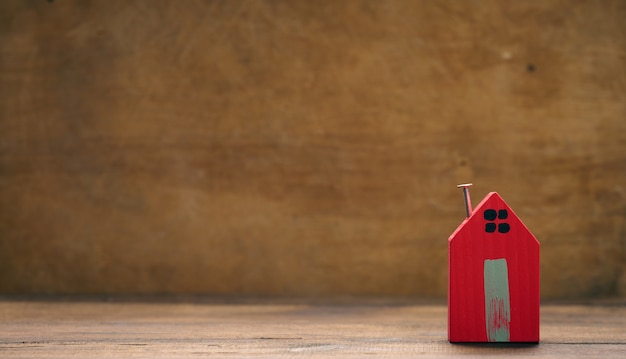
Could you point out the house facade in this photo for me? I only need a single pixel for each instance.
(493, 277)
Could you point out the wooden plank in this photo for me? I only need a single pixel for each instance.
(185, 330)
(304, 147)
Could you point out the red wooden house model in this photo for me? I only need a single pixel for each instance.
(493, 276)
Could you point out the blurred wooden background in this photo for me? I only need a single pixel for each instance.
(305, 148)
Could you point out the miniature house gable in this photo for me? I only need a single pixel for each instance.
(493, 277)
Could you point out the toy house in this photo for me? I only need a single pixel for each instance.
(493, 276)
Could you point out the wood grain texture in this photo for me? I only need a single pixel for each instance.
(305, 148)
(356, 330)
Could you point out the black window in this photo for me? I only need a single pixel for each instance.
(490, 216)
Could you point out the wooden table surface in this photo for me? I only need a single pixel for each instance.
(97, 329)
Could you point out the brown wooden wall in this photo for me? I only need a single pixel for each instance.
(305, 148)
